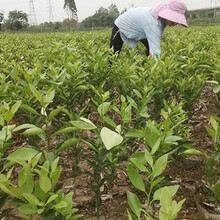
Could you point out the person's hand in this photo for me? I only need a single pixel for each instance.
(150, 54)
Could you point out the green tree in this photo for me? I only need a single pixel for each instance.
(57, 25)
(71, 9)
(113, 10)
(70, 6)
(102, 18)
(17, 20)
(102, 10)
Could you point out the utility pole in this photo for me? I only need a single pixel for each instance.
(32, 14)
(50, 11)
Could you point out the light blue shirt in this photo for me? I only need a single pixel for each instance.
(137, 24)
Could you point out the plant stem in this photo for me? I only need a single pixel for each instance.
(149, 195)
(47, 135)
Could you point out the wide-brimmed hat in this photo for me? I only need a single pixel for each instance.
(174, 11)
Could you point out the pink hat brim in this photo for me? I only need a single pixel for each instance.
(173, 16)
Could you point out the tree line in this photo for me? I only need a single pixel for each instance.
(103, 17)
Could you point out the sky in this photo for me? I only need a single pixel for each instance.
(85, 7)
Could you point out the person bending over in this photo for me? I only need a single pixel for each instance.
(146, 24)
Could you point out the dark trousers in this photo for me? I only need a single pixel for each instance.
(116, 41)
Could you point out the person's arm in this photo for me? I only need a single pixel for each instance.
(153, 35)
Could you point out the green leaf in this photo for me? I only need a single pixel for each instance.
(110, 138)
(193, 152)
(4, 133)
(40, 211)
(44, 182)
(135, 133)
(118, 129)
(54, 165)
(66, 130)
(116, 110)
(172, 138)
(82, 125)
(212, 82)
(25, 179)
(126, 117)
(11, 127)
(15, 107)
(36, 93)
(134, 203)
(88, 121)
(2, 120)
(51, 157)
(104, 108)
(66, 144)
(106, 95)
(39, 192)
(55, 175)
(166, 203)
(109, 121)
(52, 198)
(148, 158)
(36, 159)
(3, 178)
(160, 165)
(6, 106)
(33, 131)
(48, 98)
(30, 109)
(137, 93)
(28, 209)
(211, 132)
(216, 89)
(45, 168)
(176, 208)
(25, 154)
(82, 87)
(130, 216)
(135, 178)
(171, 189)
(31, 199)
(156, 146)
(6, 189)
(24, 126)
(139, 165)
(8, 116)
(215, 125)
(151, 134)
(68, 200)
(55, 112)
(8, 174)
(61, 205)
(157, 181)
(16, 192)
(139, 156)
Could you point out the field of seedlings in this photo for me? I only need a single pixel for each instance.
(83, 139)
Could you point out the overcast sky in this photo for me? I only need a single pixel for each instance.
(85, 7)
